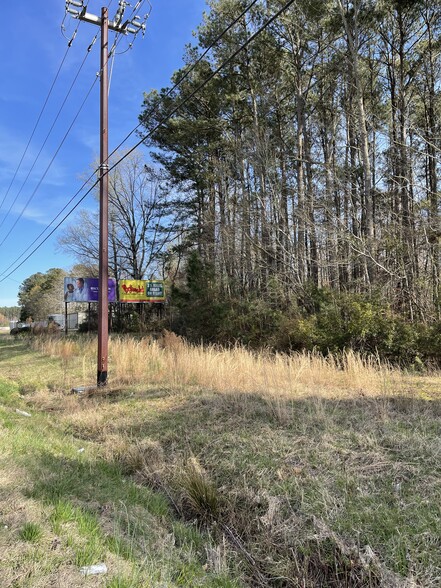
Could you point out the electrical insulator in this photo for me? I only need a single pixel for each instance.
(136, 25)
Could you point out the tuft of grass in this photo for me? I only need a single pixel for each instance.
(133, 455)
(122, 582)
(64, 512)
(31, 532)
(199, 495)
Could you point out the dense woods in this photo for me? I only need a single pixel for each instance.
(311, 161)
(293, 199)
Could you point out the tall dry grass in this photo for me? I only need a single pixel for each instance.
(172, 362)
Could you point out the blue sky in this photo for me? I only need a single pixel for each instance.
(32, 47)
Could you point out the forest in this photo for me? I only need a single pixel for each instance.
(291, 199)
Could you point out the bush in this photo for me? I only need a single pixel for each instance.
(319, 319)
(429, 344)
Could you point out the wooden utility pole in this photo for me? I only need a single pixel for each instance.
(103, 302)
(118, 25)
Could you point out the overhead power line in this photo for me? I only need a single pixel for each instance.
(192, 67)
(150, 133)
(176, 85)
(205, 82)
(69, 45)
(47, 137)
(50, 163)
(50, 234)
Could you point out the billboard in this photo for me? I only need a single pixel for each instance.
(132, 291)
(155, 290)
(86, 289)
(141, 291)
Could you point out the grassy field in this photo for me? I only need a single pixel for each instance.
(215, 468)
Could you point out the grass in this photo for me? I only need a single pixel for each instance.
(30, 532)
(212, 467)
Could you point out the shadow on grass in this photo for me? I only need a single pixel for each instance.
(56, 478)
(367, 466)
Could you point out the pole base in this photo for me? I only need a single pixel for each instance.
(101, 379)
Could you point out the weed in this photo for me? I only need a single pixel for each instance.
(31, 532)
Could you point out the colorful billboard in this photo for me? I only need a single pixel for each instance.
(141, 291)
(132, 291)
(86, 289)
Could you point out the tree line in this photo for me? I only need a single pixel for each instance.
(292, 199)
(8, 313)
(313, 157)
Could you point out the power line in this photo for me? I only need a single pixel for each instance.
(136, 27)
(55, 218)
(69, 45)
(118, 36)
(205, 82)
(191, 68)
(50, 234)
(48, 135)
(51, 162)
(183, 77)
(150, 133)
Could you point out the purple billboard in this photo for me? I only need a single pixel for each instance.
(86, 289)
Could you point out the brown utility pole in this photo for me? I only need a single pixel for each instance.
(103, 302)
(133, 26)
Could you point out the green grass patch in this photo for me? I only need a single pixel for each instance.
(31, 532)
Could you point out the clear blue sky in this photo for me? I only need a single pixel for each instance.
(32, 48)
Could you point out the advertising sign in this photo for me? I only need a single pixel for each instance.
(155, 291)
(132, 291)
(141, 291)
(86, 289)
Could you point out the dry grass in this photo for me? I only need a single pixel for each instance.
(241, 371)
(309, 471)
(171, 362)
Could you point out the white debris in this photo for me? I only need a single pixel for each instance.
(80, 450)
(93, 570)
(22, 412)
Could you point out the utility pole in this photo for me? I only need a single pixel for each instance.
(118, 25)
(103, 273)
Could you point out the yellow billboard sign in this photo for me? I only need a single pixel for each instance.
(141, 291)
(132, 291)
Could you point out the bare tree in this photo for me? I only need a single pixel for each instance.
(140, 226)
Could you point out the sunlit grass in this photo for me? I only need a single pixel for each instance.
(172, 362)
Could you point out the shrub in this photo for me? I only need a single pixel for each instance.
(319, 319)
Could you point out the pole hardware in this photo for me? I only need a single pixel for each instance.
(132, 26)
